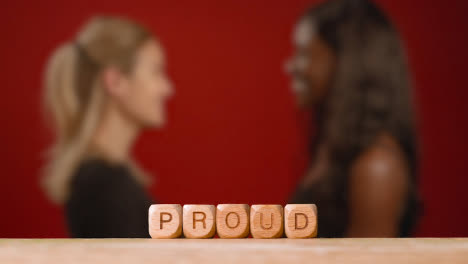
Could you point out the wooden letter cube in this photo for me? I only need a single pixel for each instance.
(266, 221)
(300, 220)
(199, 221)
(165, 220)
(232, 220)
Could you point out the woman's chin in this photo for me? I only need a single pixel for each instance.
(302, 99)
(155, 122)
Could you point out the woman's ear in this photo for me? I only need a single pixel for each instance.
(114, 82)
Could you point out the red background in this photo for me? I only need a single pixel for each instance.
(234, 134)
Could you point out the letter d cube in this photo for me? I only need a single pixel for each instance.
(300, 220)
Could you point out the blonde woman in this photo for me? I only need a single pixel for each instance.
(102, 89)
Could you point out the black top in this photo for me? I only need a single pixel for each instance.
(106, 201)
(332, 210)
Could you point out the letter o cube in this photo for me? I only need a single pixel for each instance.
(232, 220)
(165, 220)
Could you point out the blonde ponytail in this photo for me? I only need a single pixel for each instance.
(74, 97)
(60, 88)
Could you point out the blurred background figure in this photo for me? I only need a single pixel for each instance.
(350, 69)
(101, 89)
(235, 133)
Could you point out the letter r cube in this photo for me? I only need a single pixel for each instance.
(199, 221)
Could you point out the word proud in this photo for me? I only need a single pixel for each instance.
(232, 221)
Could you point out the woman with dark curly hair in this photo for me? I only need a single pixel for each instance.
(350, 69)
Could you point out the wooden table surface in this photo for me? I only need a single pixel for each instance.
(137, 251)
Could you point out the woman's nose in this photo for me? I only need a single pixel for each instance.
(170, 91)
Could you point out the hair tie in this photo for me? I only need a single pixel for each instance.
(83, 53)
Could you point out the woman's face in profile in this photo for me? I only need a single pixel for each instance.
(312, 66)
(147, 87)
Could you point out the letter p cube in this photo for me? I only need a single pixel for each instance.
(165, 220)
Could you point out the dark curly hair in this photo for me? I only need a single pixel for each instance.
(370, 94)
